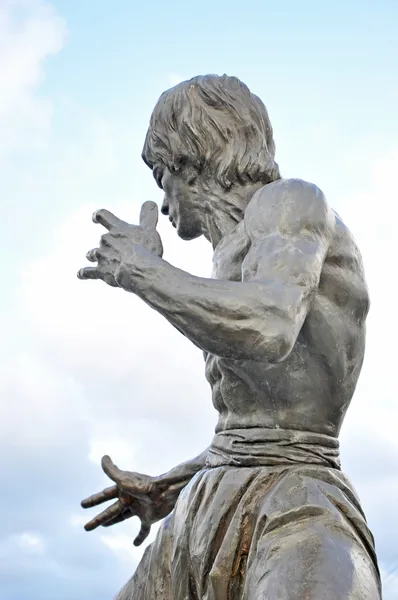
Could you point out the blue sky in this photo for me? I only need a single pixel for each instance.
(78, 81)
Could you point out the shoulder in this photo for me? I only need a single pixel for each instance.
(289, 206)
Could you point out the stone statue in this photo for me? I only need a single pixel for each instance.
(265, 512)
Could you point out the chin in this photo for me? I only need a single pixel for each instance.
(188, 233)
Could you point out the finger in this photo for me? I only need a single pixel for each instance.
(89, 273)
(149, 215)
(92, 255)
(105, 516)
(143, 534)
(109, 493)
(113, 472)
(110, 280)
(106, 240)
(116, 520)
(126, 514)
(107, 219)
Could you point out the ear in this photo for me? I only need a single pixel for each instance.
(191, 176)
(188, 172)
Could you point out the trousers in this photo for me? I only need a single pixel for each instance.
(244, 529)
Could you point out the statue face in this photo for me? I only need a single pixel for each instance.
(183, 204)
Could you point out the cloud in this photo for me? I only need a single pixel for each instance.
(174, 79)
(43, 431)
(75, 387)
(109, 345)
(30, 32)
(89, 370)
(390, 579)
(118, 379)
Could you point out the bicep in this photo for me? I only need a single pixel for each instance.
(290, 261)
(290, 232)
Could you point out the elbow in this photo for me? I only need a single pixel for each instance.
(257, 342)
(275, 346)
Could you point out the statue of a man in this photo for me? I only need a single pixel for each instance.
(265, 512)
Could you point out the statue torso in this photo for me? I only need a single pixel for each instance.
(311, 390)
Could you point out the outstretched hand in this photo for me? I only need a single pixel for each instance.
(120, 241)
(136, 494)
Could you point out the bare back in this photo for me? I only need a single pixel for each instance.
(312, 388)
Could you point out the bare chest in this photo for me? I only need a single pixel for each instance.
(230, 254)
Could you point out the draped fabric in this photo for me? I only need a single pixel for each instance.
(268, 447)
(266, 519)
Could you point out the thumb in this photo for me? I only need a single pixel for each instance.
(113, 472)
(149, 215)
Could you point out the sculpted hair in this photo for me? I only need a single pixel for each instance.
(212, 125)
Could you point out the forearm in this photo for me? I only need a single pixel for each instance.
(226, 318)
(175, 480)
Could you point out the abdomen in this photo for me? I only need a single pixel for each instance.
(313, 387)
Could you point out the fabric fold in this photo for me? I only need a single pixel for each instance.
(262, 447)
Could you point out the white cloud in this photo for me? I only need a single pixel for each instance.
(120, 541)
(139, 385)
(390, 579)
(78, 520)
(102, 443)
(31, 542)
(97, 338)
(174, 79)
(90, 370)
(122, 545)
(45, 403)
(105, 364)
(30, 31)
(371, 213)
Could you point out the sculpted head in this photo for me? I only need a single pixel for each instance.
(207, 136)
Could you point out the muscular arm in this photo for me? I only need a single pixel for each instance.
(290, 226)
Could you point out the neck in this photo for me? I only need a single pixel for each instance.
(224, 210)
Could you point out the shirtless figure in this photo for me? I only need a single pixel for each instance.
(265, 512)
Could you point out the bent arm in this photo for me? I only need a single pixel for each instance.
(289, 225)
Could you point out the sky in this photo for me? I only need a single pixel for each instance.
(88, 370)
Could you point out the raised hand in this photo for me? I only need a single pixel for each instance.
(136, 494)
(118, 242)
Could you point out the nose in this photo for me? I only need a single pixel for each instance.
(165, 206)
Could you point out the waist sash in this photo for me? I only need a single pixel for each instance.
(263, 447)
